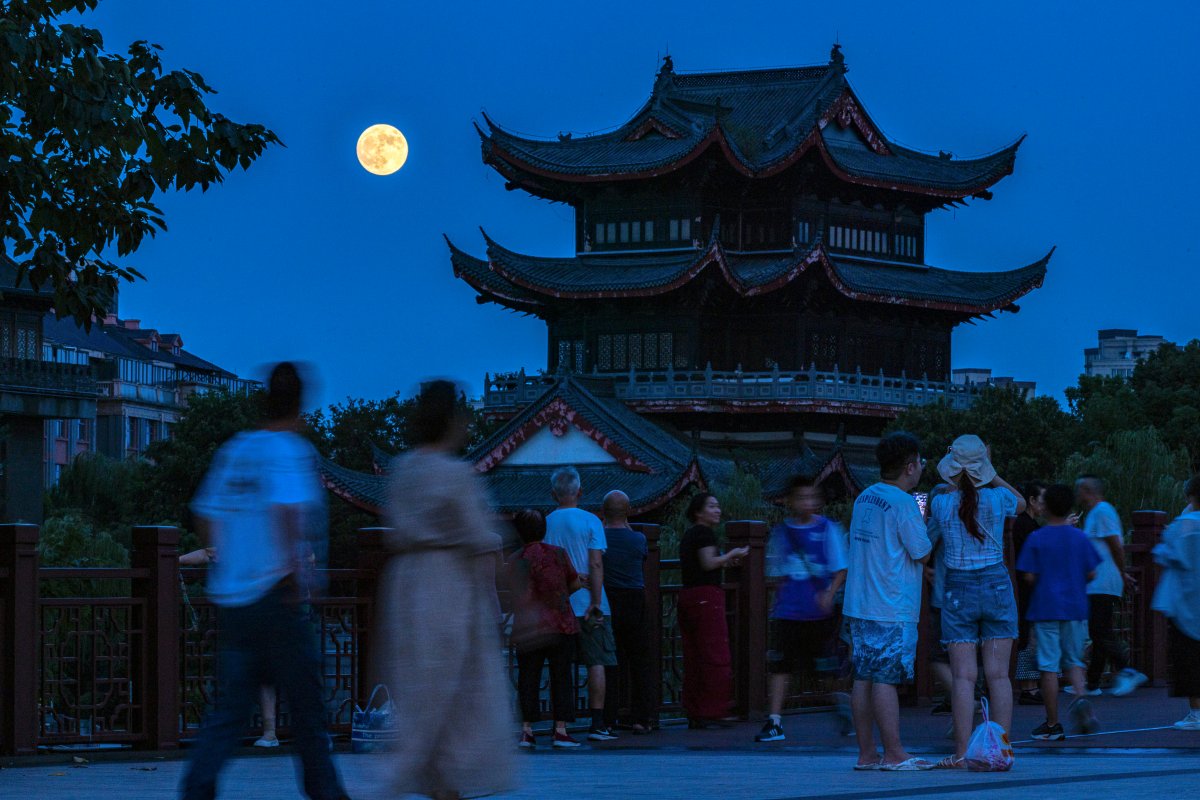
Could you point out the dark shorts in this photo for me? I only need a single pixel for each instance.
(596, 646)
(884, 652)
(1184, 654)
(801, 646)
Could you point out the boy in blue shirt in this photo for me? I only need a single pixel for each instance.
(807, 554)
(1059, 561)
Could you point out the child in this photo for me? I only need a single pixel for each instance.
(807, 553)
(1059, 561)
(544, 627)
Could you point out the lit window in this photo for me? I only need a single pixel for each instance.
(599, 233)
(610, 235)
(674, 229)
(802, 232)
(637, 231)
(685, 229)
(649, 230)
(624, 232)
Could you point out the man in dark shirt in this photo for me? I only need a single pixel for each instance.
(626, 587)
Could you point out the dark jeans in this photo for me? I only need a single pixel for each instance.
(267, 642)
(633, 669)
(1106, 647)
(560, 652)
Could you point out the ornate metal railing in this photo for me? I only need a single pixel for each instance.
(46, 377)
(513, 391)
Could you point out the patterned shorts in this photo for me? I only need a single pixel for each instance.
(884, 652)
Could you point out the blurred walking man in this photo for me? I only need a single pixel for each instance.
(253, 507)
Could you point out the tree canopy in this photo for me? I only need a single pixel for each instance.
(90, 137)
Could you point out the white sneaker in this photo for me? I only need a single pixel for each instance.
(1189, 723)
(1127, 680)
(264, 742)
(1087, 692)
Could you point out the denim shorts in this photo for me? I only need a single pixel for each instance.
(1060, 644)
(884, 652)
(978, 605)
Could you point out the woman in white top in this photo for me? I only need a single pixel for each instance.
(978, 606)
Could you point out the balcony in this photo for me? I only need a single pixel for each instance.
(33, 388)
(710, 390)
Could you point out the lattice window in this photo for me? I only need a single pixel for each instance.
(620, 361)
(580, 352)
(605, 356)
(666, 343)
(6, 343)
(564, 354)
(635, 350)
(650, 351)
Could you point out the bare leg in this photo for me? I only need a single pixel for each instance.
(1050, 696)
(1078, 680)
(864, 722)
(941, 671)
(996, 656)
(596, 689)
(885, 702)
(962, 696)
(779, 687)
(266, 699)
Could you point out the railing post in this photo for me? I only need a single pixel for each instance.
(18, 639)
(1147, 532)
(654, 625)
(156, 548)
(750, 658)
(372, 555)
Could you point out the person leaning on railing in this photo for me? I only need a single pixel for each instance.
(707, 670)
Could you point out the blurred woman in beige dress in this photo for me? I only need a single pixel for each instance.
(439, 645)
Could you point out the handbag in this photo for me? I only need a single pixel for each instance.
(374, 728)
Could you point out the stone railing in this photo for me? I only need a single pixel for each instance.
(514, 391)
(24, 375)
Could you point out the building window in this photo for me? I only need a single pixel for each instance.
(803, 231)
(610, 232)
(636, 231)
(599, 233)
(579, 354)
(666, 344)
(906, 245)
(604, 357)
(648, 228)
(621, 351)
(620, 355)
(673, 230)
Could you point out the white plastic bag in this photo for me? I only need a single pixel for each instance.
(989, 749)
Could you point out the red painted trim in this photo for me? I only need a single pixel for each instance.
(350, 497)
(837, 464)
(845, 107)
(484, 289)
(691, 475)
(558, 416)
(774, 406)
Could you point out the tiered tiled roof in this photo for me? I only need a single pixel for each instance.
(762, 121)
(529, 283)
(650, 464)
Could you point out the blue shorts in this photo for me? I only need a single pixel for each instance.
(1060, 644)
(884, 652)
(978, 605)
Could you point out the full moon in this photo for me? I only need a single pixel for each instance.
(382, 149)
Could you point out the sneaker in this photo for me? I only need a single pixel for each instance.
(1068, 689)
(1049, 733)
(1030, 697)
(265, 742)
(772, 731)
(1189, 723)
(942, 709)
(1126, 681)
(527, 741)
(564, 740)
(601, 735)
(1083, 717)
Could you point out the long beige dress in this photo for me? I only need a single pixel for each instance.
(440, 648)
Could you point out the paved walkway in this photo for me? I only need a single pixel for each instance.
(662, 775)
(1138, 755)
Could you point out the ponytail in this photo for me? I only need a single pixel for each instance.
(968, 505)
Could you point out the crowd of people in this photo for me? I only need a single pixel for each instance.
(578, 598)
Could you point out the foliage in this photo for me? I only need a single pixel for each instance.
(90, 137)
(104, 491)
(1030, 439)
(70, 541)
(1101, 405)
(1167, 385)
(346, 432)
(1139, 469)
(741, 498)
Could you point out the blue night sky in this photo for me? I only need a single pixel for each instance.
(308, 256)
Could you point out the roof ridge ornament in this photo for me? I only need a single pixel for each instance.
(837, 59)
(666, 74)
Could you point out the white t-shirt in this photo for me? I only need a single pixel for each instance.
(250, 475)
(578, 531)
(887, 535)
(1101, 522)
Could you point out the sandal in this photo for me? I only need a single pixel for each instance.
(908, 765)
(872, 767)
(950, 762)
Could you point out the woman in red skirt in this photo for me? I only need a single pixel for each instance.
(707, 674)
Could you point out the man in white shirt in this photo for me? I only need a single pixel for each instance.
(581, 534)
(253, 508)
(888, 545)
(1103, 527)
